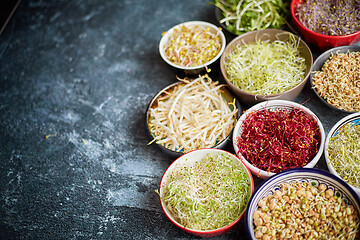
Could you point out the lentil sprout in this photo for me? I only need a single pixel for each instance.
(299, 210)
(344, 153)
(338, 81)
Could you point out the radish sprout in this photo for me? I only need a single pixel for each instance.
(193, 115)
(208, 195)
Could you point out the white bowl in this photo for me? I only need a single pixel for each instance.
(275, 104)
(195, 69)
(189, 159)
(349, 119)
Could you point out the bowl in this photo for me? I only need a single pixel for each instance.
(320, 41)
(318, 64)
(203, 28)
(248, 98)
(315, 179)
(224, 95)
(238, 190)
(275, 105)
(349, 120)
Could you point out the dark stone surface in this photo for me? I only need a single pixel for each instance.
(75, 80)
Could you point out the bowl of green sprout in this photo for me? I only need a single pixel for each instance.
(205, 192)
(342, 150)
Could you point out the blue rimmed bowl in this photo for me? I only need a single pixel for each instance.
(352, 119)
(311, 175)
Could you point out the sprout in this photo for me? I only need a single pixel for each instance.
(266, 68)
(208, 195)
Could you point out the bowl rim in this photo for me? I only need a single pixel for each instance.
(184, 158)
(268, 104)
(321, 59)
(269, 181)
(293, 6)
(166, 35)
(177, 153)
(342, 122)
(237, 39)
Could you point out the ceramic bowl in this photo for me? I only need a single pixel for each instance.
(311, 175)
(353, 119)
(320, 41)
(192, 70)
(188, 160)
(319, 62)
(274, 105)
(228, 97)
(248, 98)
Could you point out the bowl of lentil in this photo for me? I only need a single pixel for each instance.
(192, 47)
(192, 113)
(276, 135)
(335, 78)
(205, 192)
(326, 24)
(303, 203)
(342, 150)
(265, 65)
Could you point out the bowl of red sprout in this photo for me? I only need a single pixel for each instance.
(265, 65)
(335, 78)
(303, 203)
(342, 150)
(192, 47)
(276, 135)
(327, 23)
(205, 192)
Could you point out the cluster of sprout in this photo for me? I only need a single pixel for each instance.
(208, 195)
(344, 153)
(240, 16)
(190, 46)
(266, 68)
(338, 81)
(299, 210)
(192, 115)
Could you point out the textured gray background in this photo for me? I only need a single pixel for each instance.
(75, 80)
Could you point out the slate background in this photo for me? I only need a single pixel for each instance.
(75, 80)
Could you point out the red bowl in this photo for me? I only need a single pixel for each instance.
(323, 42)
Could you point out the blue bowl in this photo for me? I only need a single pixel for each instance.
(314, 176)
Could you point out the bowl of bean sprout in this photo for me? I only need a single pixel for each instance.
(205, 192)
(326, 24)
(192, 47)
(191, 114)
(342, 150)
(303, 203)
(266, 65)
(277, 135)
(335, 78)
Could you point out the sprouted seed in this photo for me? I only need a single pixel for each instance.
(275, 140)
(192, 46)
(338, 81)
(240, 16)
(344, 153)
(193, 115)
(266, 68)
(208, 195)
(330, 17)
(300, 210)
